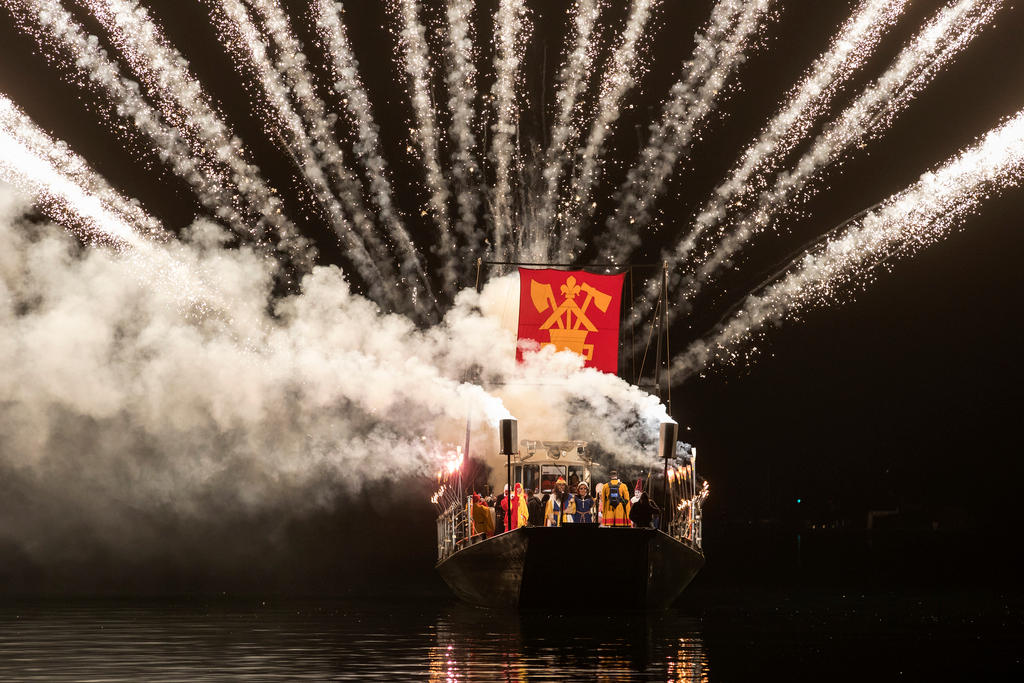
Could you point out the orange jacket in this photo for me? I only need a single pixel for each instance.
(619, 516)
(483, 518)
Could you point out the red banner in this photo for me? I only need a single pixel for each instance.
(574, 310)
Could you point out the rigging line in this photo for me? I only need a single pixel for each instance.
(647, 347)
(778, 271)
(668, 351)
(632, 331)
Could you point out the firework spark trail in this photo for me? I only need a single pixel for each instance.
(353, 95)
(904, 224)
(416, 63)
(290, 64)
(242, 38)
(186, 104)
(850, 48)
(572, 81)
(938, 42)
(461, 81)
(510, 25)
(622, 73)
(52, 25)
(64, 184)
(719, 50)
(22, 137)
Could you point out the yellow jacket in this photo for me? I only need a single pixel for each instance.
(551, 511)
(483, 519)
(619, 516)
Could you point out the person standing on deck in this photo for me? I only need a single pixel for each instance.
(561, 505)
(536, 507)
(520, 512)
(483, 521)
(644, 511)
(501, 511)
(615, 502)
(584, 505)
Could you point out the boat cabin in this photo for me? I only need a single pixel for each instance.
(539, 464)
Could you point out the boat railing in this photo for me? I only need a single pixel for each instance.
(452, 528)
(687, 524)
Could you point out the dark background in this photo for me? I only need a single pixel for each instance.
(906, 399)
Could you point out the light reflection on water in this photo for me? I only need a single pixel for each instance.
(341, 641)
(607, 646)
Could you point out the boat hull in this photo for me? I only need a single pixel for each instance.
(572, 566)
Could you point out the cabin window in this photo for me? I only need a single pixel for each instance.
(549, 474)
(577, 473)
(529, 475)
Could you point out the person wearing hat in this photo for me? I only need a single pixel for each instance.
(535, 505)
(584, 505)
(520, 515)
(561, 505)
(501, 511)
(482, 517)
(614, 502)
(644, 511)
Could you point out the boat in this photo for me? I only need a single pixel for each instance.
(574, 564)
(571, 565)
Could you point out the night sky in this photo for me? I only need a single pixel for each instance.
(907, 397)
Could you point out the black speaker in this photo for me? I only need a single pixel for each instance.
(508, 436)
(667, 439)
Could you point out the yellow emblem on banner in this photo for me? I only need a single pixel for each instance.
(568, 324)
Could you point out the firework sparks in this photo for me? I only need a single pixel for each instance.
(941, 39)
(349, 87)
(622, 75)
(732, 28)
(905, 223)
(71, 192)
(461, 81)
(53, 26)
(509, 28)
(243, 39)
(850, 48)
(416, 63)
(185, 103)
(572, 79)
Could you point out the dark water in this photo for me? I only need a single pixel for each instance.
(725, 635)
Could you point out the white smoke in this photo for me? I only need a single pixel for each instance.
(125, 400)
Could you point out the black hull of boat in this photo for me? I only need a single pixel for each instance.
(576, 565)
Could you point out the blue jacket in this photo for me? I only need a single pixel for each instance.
(584, 510)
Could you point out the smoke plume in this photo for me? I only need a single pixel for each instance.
(133, 404)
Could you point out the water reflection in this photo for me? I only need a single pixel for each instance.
(608, 645)
(341, 641)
